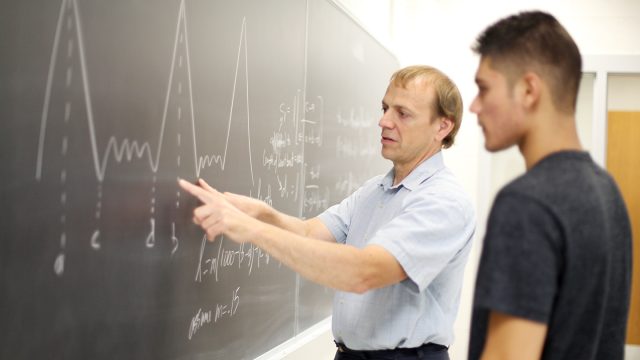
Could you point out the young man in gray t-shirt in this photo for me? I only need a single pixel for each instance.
(555, 270)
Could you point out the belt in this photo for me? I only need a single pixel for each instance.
(424, 348)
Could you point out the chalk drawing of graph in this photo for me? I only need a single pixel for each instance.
(68, 54)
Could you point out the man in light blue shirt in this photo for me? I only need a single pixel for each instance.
(394, 250)
(425, 222)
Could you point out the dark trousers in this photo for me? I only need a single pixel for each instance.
(424, 352)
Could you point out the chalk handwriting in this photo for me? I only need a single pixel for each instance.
(355, 147)
(356, 119)
(246, 255)
(281, 160)
(315, 199)
(263, 197)
(151, 237)
(202, 318)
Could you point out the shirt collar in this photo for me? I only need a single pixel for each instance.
(421, 173)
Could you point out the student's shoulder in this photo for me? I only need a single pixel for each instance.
(558, 178)
(527, 190)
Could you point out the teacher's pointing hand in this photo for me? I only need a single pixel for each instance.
(217, 215)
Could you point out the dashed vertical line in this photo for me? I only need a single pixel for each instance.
(59, 263)
(69, 76)
(98, 213)
(151, 237)
(179, 121)
(67, 111)
(65, 146)
(69, 48)
(150, 241)
(152, 209)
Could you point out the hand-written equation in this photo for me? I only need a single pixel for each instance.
(279, 160)
(356, 119)
(359, 138)
(295, 128)
(247, 255)
(356, 147)
(286, 150)
(316, 199)
(300, 123)
(202, 318)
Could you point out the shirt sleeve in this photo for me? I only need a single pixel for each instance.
(427, 234)
(520, 264)
(338, 217)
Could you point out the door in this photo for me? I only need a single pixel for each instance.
(623, 162)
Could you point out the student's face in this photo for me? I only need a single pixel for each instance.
(499, 113)
(408, 132)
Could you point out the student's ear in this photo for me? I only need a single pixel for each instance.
(445, 127)
(531, 89)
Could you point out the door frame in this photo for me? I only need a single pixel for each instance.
(602, 66)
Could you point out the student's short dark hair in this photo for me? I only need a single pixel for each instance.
(535, 41)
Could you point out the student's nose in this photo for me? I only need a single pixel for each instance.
(475, 105)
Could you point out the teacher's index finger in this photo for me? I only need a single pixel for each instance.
(195, 190)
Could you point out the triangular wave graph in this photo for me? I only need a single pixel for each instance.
(127, 149)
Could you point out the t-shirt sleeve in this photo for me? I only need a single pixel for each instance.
(426, 235)
(520, 264)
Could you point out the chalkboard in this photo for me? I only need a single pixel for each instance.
(104, 104)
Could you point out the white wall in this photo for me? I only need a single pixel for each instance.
(440, 33)
(624, 92)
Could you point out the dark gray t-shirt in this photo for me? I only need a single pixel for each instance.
(558, 251)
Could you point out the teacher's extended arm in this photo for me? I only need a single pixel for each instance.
(293, 241)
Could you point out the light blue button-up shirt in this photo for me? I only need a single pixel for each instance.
(426, 222)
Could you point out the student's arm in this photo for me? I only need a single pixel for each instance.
(338, 266)
(511, 337)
